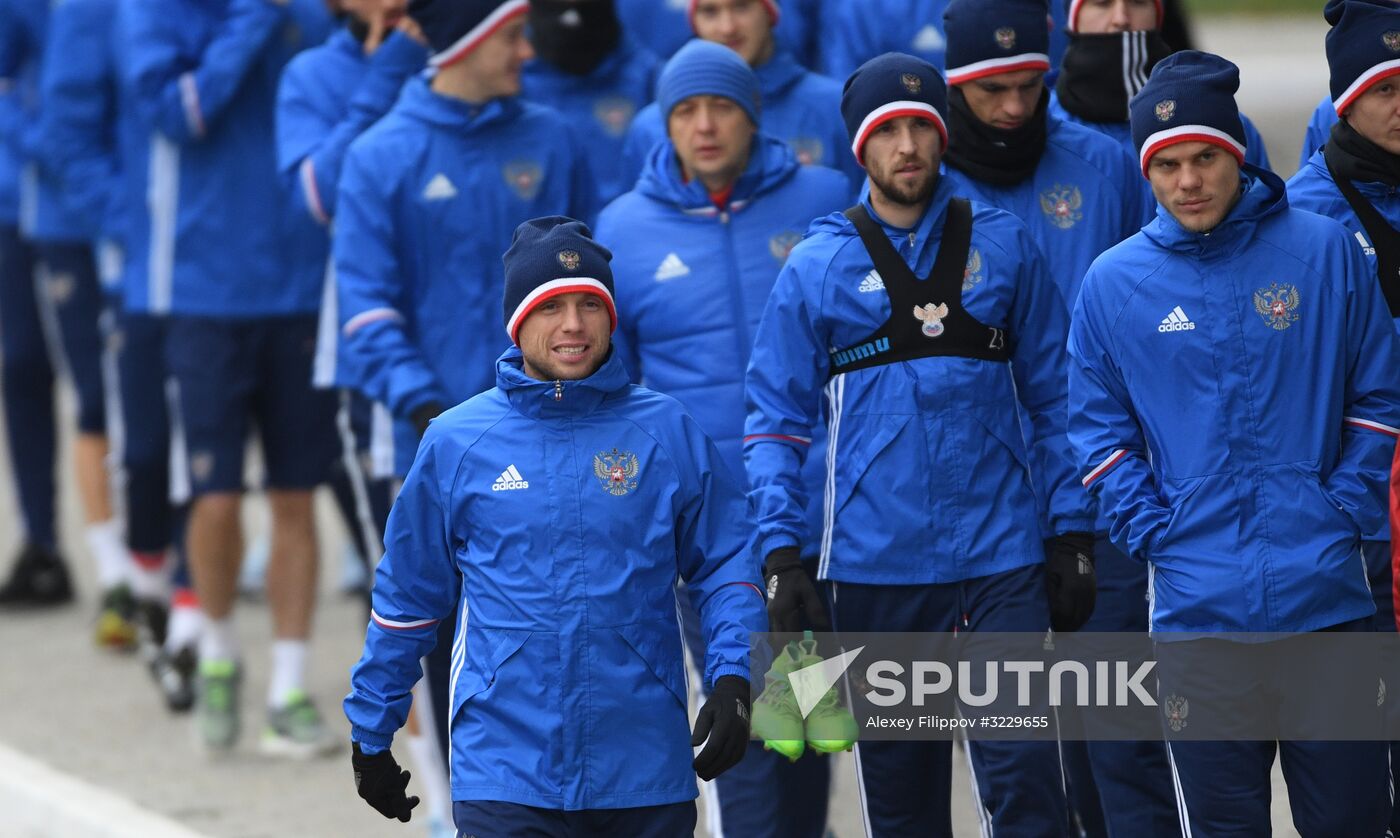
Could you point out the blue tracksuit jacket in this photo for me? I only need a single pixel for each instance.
(691, 280)
(857, 32)
(800, 108)
(428, 200)
(328, 96)
(558, 519)
(1243, 455)
(225, 241)
(601, 106)
(1319, 129)
(928, 480)
(1254, 152)
(21, 47)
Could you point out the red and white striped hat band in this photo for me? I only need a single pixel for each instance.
(1189, 134)
(770, 5)
(1072, 19)
(995, 66)
(894, 110)
(555, 288)
(1383, 70)
(504, 13)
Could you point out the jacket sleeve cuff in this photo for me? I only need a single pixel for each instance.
(1068, 525)
(728, 669)
(370, 741)
(776, 541)
(401, 55)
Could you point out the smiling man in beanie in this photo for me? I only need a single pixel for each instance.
(1234, 407)
(561, 508)
(920, 358)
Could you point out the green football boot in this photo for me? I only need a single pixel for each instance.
(830, 727)
(776, 718)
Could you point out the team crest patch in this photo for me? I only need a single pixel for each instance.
(808, 150)
(783, 243)
(1176, 710)
(569, 259)
(1062, 205)
(1165, 110)
(616, 470)
(932, 317)
(1006, 37)
(614, 113)
(911, 82)
(201, 465)
(1278, 305)
(972, 274)
(524, 178)
(1392, 40)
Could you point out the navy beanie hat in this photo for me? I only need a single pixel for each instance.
(1072, 8)
(1190, 97)
(551, 256)
(702, 68)
(1363, 46)
(887, 87)
(986, 37)
(456, 27)
(771, 5)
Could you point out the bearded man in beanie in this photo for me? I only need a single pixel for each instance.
(559, 510)
(1244, 455)
(917, 372)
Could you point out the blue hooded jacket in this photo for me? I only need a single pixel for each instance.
(601, 105)
(1243, 448)
(226, 241)
(558, 518)
(928, 480)
(428, 200)
(1319, 129)
(692, 279)
(857, 32)
(328, 96)
(21, 49)
(800, 108)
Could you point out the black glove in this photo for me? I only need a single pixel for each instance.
(424, 413)
(791, 594)
(381, 783)
(1069, 579)
(725, 721)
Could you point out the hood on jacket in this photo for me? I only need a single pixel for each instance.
(837, 224)
(420, 102)
(535, 398)
(778, 75)
(1264, 195)
(771, 164)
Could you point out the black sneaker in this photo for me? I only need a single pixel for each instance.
(39, 579)
(174, 675)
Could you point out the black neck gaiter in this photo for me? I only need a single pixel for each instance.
(1357, 158)
(993, 155)
(574, 36)
(1100, 74)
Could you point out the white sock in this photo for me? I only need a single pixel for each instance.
(109, 553)
(150, 576)
(218, 640)
(186, 621)
(288, 671)
(428, 769)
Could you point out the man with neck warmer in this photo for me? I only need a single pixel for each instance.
(1113, 46)
(921, 358)
(595, 74)
(1241, 458)
(1354, 180)
(718, 185)
(1079, 193)
(802, 109)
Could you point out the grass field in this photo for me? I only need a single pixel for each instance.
(1256, 7)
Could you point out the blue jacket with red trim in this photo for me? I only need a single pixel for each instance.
(691, 280)
(1234, 406)
(226, 240)
(558, 518)
(929, 479)
(328, 96)
(429, 198)
(801, 108)
(601, 105)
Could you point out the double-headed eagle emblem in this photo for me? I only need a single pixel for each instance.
(1062, 205)
(616, 470)
(1278, 305)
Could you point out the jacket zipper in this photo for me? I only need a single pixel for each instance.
(558, 391)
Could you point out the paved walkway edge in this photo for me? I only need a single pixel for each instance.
(44, 801)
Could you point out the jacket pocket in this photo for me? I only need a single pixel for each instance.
(861, 440)
(1314, 480)
(486, 651)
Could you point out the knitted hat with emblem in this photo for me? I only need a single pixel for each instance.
(1190, 97)
(551, 256)
(888, 87)
(987, 37)
(456, 27)
(1363, 46)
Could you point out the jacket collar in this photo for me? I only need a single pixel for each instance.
(557, 399)
(771, 163)
(1264, 195)
(419, 100)
(930, 227)
(778, 75)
